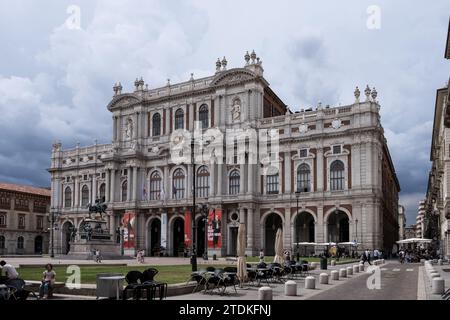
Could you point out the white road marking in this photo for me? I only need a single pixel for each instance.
(409, 269)
(396, 269)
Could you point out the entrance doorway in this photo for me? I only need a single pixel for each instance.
(154, 235)
(200, 237)
(65, 237)
(233, 241)
(38, 245)
(273, 223)
(178, 237)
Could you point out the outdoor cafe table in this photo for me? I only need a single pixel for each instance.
(117, 279)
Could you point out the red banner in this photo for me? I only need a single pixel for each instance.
(215, 229)
(187, 229)
(129, 234)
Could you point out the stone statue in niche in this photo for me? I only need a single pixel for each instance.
(236, 110)
(129, 129)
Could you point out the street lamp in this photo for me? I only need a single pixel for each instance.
(194, 253)
(52, 253)
(297, 195)
(204, 210)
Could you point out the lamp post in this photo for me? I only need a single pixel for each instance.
(194, 253)
(297, 195)
(205, 217)
(52, 253)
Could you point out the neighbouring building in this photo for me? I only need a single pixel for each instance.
(401, 222)
(24, 219)
(337, 159)
(410, 232)
(437, 207)
(419, 219)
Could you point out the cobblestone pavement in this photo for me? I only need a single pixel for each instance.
(398, 282)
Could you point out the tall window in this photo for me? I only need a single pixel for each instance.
(156, 125)
(2, 242)
(203, 116)
(178, 184)
(179, 119)
(67, 197)
(102, 191)
(2, 219)
(202, 182)
(155, 186)
(21, 221)
(337, 175)
(272, 184)
(303, 178)
(20, 242)
(84, 195)
(234, 185)
(39, 222)
(125, 190)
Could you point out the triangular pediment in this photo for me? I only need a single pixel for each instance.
(123, 100)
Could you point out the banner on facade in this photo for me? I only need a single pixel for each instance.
(164, 230)
(187, 229)
(215, 229)
(129, 230)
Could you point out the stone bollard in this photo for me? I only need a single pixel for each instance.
(361, 268)
(382, 261)
(355, 269)
(335, 275)
(310, 282)
(290, 288)
(440, 262)
(323, 278)
(265, 293)
(349, 271)
(342, 273)
(333, 263)
(438, 286)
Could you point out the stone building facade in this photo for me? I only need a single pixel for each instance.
(336, 157)
(24, 219)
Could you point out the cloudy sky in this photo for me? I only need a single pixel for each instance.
(56, 80)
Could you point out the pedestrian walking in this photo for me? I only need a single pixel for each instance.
(261, 255)
(367, 256)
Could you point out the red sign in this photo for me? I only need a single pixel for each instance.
(129, 227)
(215, 228)
(187, 229)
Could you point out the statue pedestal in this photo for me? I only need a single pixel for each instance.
(85, 249)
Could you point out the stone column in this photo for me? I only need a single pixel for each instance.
(94, 188)
(212, 182)
(129, 183)
(114, 128)
(320, 226)
(288, 173)
(166, 182)
(113, 186)
(251, 180)
(107, 185)
(250, 232)
(135, 189)
(77, 191)
(319, 178)
(219, 179)
(287, 241)
(119, 128)
(242, 178)
(242, 215)
(189, 181)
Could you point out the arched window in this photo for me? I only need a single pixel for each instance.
(2, 219)
(203, 116)
(234, 184)
(155, 186)
(337, 175)
(202, 182)
(67, 197)
(156, 125)
(2, 242)
(179, 119)
(303, 178)
(178, 184)
(84, 195)
(102, 191)
(125, 191)
(272, 183)
(20, 242)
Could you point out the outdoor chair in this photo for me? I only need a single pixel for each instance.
(17, 289)
(276, 271)
(210, 269)
(251, 273)
(133, 279)
(214, 281)
(230, 278)
(150, 285)
(199, 277)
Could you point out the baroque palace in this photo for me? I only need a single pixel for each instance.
(336, 180)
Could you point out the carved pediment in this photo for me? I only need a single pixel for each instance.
(123, 100)
(232, 76)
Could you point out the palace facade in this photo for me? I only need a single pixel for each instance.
(337, 159)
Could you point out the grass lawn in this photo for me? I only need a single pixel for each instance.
(168, 274)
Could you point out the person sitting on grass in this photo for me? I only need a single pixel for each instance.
(48, 280)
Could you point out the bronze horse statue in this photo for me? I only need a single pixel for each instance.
(98, 207)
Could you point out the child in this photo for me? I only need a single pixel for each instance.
(48, 281)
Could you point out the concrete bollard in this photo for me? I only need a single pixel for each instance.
(265, 293)
(342, 273)
(438, 286)
(290, 288)
(355, 269)
(361, 268)
(335, 275)
(440, 262)
(323, 278)
(310, 282)
(349, 271)
(382, 261)
(333, 263)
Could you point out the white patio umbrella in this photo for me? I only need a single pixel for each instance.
(279, 247)
(241, 245)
